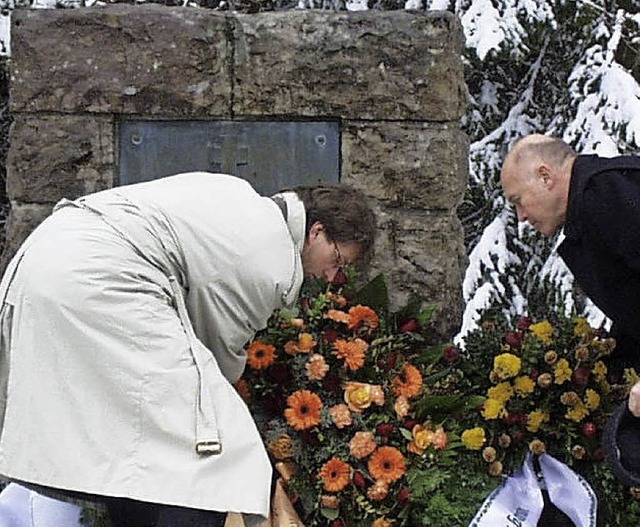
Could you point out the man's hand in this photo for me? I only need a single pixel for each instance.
(634, 399)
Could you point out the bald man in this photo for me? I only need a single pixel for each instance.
(597, 202)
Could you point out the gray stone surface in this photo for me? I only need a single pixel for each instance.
(59, 156)
(359, 65)
(415, 174)
(419, 165)
(147, 59)
(393, 80)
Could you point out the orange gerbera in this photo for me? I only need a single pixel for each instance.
(335, 475)
(352, 351)
(304, 410)
(387, 464)
(409, 382)
(260, 355)
(363, 317)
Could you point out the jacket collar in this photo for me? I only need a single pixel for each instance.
(582, 170)
(296, 217)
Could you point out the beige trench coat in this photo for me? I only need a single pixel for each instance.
(122, 325)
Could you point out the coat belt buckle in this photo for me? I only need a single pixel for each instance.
(209, 448)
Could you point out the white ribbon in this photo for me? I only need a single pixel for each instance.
(518, 501)
(569, 492)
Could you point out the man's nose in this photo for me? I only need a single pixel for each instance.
(521, 214)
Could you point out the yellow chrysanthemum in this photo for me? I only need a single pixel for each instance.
(506, 366)
(535, 419)
(562, 371)
(502, 392)
(582, 328)
(591, 399)
(474, 438)
(493, 409)
(599, 371)
(577, 413)
(543, 330)
(524, 385)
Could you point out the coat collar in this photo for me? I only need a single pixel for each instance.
(296, 217)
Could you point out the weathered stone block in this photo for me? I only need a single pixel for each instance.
(407, 164)
(22, 220)
(421, 253)
(360, 65)
(52, 157)
(150, 59)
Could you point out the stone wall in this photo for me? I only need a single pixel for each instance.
(393, 79)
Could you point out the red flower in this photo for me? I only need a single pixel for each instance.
(387, 362)
(409, 424)
(451, 354)
(581, 376)
(330, 335)
(513, 339)
(524, 323)
(339, 279)
(410, 325)
(332, 382)
(511, 419)
(359, 479)
(385, 429)
(403, 496)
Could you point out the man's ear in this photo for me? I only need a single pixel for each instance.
(546, 176)
(316, 229)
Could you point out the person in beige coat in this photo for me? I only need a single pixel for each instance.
(122, 325)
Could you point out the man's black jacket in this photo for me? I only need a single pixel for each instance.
(602, 244)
